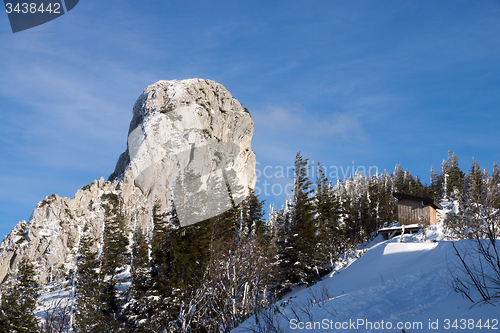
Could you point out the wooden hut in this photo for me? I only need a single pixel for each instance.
(416, 210)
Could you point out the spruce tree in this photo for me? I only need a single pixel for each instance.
(408, 183)
(140, 308)
(453, 176)
(299, 255)
(252, 216)
(114, 257)
(477, 179)
(386, 210)
(140, 266)
(18, 304)
(398, 179)
(348, 214)
(161, 256)
(477, 214)
(327, 215)
(494, 186)
(372, 222)
(179, 257)
(279, 230)
(436, 185)
(90, 307)
(191, 248)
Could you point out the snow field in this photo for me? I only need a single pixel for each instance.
(402, 283)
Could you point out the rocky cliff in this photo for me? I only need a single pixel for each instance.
(188, 145)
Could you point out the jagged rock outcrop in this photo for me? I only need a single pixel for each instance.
(188, 144)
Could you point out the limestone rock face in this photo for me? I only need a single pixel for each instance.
(189, 144)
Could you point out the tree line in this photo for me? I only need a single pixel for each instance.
(210, 276)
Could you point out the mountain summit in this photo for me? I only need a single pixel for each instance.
(188, 147)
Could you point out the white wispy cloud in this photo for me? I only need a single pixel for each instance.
(297, 122)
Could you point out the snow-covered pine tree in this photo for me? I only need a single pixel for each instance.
(139, 308)
(478, 179)
(453, 175)
(477, 213)
(161, 256)
(494, 186)
(90, 307)
(354, 208)
(299, 255)
(140, 266)
(18, 303)
(252, 216)
(398, 179)
(114, 258)
(436, 185)
(190, 248)
(331, 242)
(408, 183)
(279, 233)
(386, 209)
(478, 218)
(371, 221)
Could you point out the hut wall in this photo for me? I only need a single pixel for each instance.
(413, 212)
(433, 220)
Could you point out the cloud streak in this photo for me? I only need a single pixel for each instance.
(281, 121)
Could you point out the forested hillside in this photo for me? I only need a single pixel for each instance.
(210, 276)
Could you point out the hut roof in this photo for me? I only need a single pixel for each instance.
(429, 201)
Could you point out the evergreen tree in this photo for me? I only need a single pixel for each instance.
(140, 309)
(252, 216)
(161, 256)
(386, 210)
(453, 176)
(179, 260)
(348, 213)
(18, 304)
(191, 248)
(279, 230)
(299, 255)
(114, 257)
(90, 307)
(140, 266)
(408, 183)
(224, 232)
(372, 220)
(477, 180)
(355, 208)
(436, 185)
(477, 214)
(494, 186)
(398, 182)
(331, 242)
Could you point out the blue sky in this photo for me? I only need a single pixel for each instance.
(364, 83)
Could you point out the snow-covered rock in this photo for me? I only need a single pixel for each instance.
(188, 142)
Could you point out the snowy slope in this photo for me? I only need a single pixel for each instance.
(397, 283)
